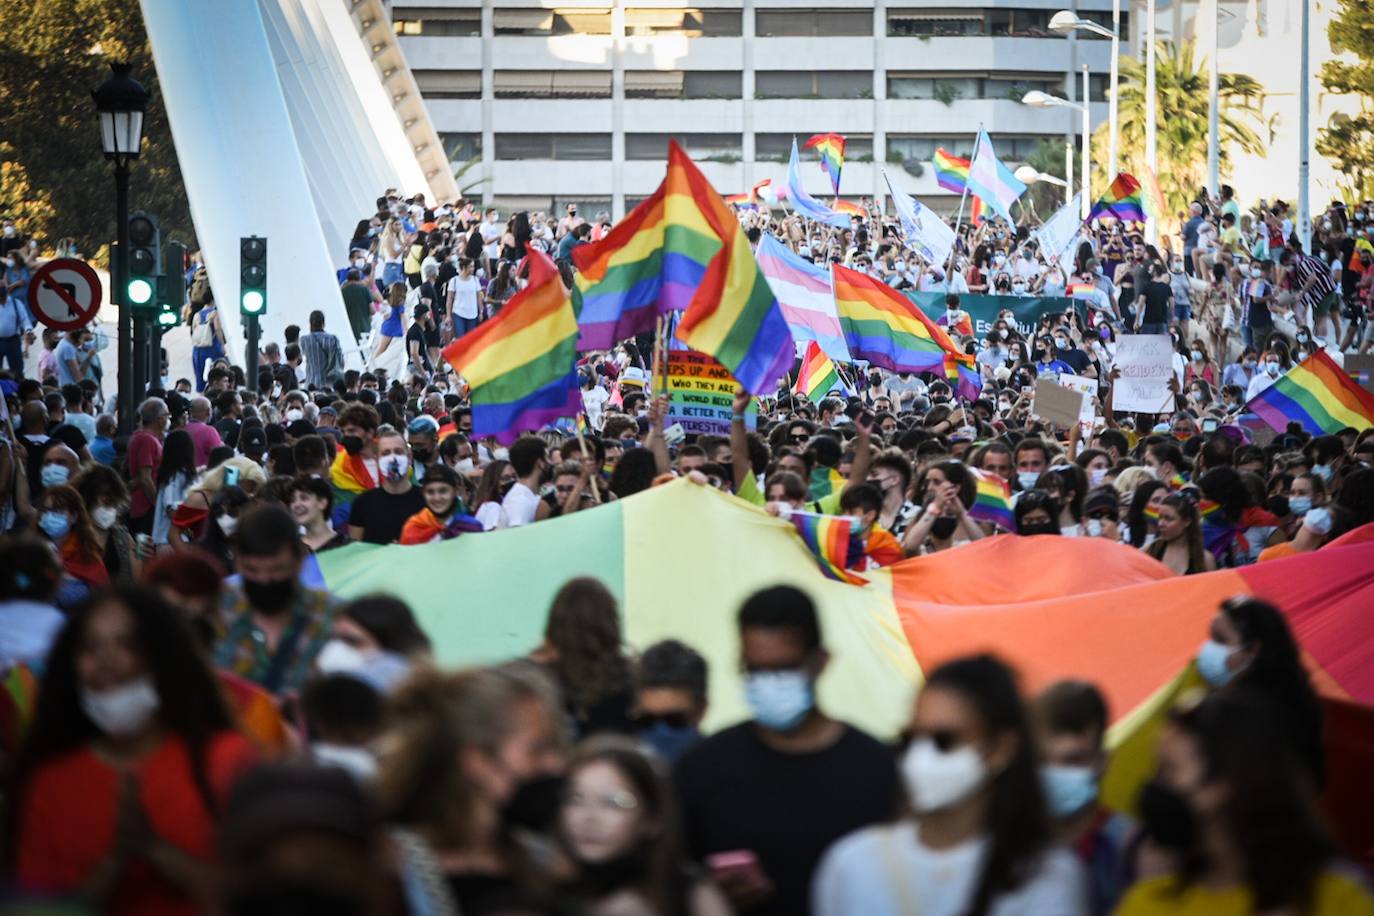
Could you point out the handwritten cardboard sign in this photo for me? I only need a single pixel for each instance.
(1146, 362)
(1056, 404)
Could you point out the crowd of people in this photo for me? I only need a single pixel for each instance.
(194, 723)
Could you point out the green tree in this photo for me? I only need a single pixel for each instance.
(55, 178)
(1349, 139)
(1181, 119)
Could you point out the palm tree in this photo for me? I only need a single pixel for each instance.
(469, 189)
(1181, 116)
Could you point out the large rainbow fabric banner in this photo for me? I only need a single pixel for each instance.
(817, 375)
(882, 326)
(831, 150)
(804, 293)
(732, 313)
(1317, 394)
(1122, 200)
(521, 364)
(1058, 607)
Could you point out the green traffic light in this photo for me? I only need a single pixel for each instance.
(168, 318)
(253, 301)
(140, 292)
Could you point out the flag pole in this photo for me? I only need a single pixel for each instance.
(963, 198)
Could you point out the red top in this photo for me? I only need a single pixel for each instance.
(145, 451)
(206, 439)
(70, 809)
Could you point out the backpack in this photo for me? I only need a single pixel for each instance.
(203, 334)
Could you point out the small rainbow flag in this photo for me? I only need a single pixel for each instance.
(993, 501)
(951, 172)
(847, 206)
(817, 375)
(833, 542)
(750, 200)
(831, 149)
(1152, 199)
(968, 383)
(882, 326)
(1317, 394)
(520, 364)
(1123, 201)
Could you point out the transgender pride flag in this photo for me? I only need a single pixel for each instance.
(807, 299)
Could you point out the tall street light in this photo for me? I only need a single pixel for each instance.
(1208, 14)
(121, 102)
(1029, 174)
(1037, 99)
(1151, 135)
(1065, 23)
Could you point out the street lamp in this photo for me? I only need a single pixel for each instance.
(1028, 174)
(1037, 99)
(1066, 23)
(120, 102)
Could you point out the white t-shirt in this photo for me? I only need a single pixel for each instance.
(594, 402)
(887, 870)
(464, 295)
(520, 505)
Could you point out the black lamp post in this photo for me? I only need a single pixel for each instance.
(121, 102)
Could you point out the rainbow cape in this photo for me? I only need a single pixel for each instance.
(1317, 394)
(349, 477)
(824, 481)
(834, 543)
(520, 365)
(882, 326)
(817, 375)
(1043, 613)
(730, 313)
(424, 526)
(993, 501)
(1123, 200)
(831, 150)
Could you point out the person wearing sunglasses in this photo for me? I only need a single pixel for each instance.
(976, 836)
(670, 697)
(1102, 514)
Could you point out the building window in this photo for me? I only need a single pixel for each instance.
(462, 147)
(551, 22)
(777, 147)
(592, 147)
(551, 84)
(675, 84)
(444, 22)
(934, 23)
(818, 23)
(686, 23)
(706, 147)
(922, 147)
(820, 84)
(449, 84)
(948, 87)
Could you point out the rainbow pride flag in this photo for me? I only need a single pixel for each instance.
(1123, 200)
(520, 365)
(817, 375)
(849, 207)
(834, 543)
(1317, 394)
(951, 173)
(1151, 198)
(882, 326)
(749, 200)
(967, 382)
(619, 288)
(831, 150)
(993, 501)
(731, 313)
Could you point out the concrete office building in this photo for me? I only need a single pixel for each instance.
(575, 103)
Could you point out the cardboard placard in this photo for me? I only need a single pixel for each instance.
(1146, 362)
(1056, 404)
(701, 394)
(1086, 387)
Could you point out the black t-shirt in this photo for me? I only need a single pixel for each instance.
(416, 334)
(382, 515)
(1157, 297)
(737, 793)
(1075, 358)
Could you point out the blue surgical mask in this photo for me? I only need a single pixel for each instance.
(1212, 661)
(1068, 790)
(54, 524)
(1027, 479)
(669, 742)
(54, 475)
(1324, 472)
(1299, 505)
(780, 699)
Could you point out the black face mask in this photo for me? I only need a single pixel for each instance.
(534, 806)
(601, 878)
(290, 897)
(269, 597)
(1039, 528)
(422, 455)
(352, 444)
(506, 488)
(1166, 816)
(944, 527)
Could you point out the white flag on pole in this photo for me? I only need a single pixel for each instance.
(926, 233)
(1057, 235)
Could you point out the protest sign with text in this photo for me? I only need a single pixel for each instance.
(1146, 362)
(701, 394)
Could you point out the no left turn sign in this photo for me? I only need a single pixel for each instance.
(64, 294)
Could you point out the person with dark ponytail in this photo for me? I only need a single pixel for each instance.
(977, 840)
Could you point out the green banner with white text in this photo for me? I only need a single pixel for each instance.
(982, 310)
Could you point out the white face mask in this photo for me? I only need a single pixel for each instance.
(227, 523)
(355, 761)
(1096, 476)
(294, 414)
(105, 517)
(338, 657)
(122, 710)
(395, 466)
(463, 466)
(500, 454)
(937, 780)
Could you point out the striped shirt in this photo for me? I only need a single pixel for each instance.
(1308, 269)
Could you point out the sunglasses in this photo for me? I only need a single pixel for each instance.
(798, 437)
(675, 719)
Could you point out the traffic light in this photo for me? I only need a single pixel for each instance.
(169, 316)
(252, 275)
(171, 286)
(145, 260)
